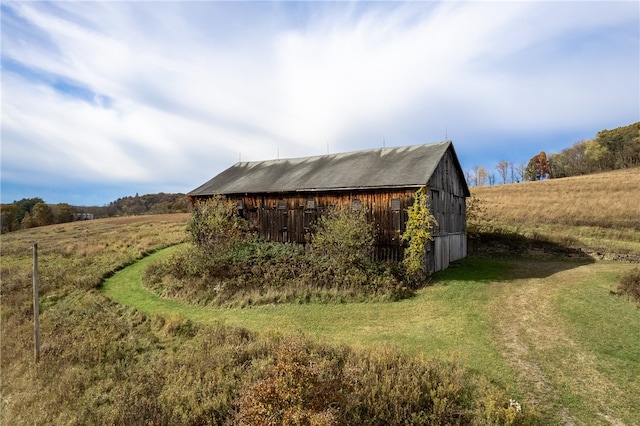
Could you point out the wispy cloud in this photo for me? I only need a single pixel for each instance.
(161, 96)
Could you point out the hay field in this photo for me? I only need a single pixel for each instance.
(599, 212)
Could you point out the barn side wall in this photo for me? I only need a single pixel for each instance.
(445, 249)
(289, 217)
(448, 206)
(448, 201)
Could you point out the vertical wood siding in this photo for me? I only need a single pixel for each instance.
(448, 202)
(289, 217)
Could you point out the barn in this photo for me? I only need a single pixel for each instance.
(282, 198)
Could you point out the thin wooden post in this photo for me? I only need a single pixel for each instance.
(36, 307)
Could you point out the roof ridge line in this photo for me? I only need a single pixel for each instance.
(360, 151)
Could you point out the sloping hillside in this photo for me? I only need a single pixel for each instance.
(598, 212)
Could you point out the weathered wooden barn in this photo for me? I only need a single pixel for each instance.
(282, 198)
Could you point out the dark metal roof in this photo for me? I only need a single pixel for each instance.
(402, 167)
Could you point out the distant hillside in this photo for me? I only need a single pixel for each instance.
(599, 212)
(34, 212)
(141, 204)
(614, 149)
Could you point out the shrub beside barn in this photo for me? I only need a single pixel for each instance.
(281, 199)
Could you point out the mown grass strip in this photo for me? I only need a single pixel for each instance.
(125, 287)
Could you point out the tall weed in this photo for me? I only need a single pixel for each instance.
(343, 238)
(629, 285)
(308, 383)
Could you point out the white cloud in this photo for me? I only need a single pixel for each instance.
(178, 91)
(58, 135)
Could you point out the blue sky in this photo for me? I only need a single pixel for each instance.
(102, 100)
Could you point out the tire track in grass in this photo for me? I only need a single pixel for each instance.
(125, 287)
(560, 376)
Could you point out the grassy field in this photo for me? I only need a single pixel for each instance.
(598, 212)
(104, 362)
(546, 330)
(76, 322)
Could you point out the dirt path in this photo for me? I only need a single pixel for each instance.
(550, 365)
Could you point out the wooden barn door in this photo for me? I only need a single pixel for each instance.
(310, 215)
(282, 221)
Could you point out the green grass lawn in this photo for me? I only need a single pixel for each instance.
(606, 330)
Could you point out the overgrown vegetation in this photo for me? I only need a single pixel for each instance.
(476, 216)
(226, 265)
(629, 285)
(137, 370)
(307, 383)
(216, 228)
(343, 239)
(417, 234)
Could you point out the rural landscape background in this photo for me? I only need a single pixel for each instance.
(531, 328)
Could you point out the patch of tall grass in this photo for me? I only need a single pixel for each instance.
(307, 383)
(259, 273)
(73, 259)
(629, 285)
(131, 369)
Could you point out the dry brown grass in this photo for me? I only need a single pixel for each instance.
(598, 212)
(73, 259)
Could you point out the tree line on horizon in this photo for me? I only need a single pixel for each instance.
(609, 150)
(33, 212)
